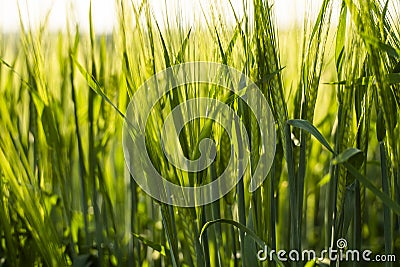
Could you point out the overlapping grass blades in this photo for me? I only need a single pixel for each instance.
(68, 199)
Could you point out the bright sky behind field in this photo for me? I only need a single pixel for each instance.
(104, 12)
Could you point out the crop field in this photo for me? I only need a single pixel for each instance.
(322, 154)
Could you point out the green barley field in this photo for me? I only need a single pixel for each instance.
(332, 83)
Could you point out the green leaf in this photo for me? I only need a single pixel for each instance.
(308, 127)
(165, 49)
(243, 228)
(221, 49)
(340, 37)
(380, 45)
(322, 13)
(149, 243)
(380, 126)
(395, 207)
(346, 155)
(250, 248)
(268, 77)
(393, 78)
(324, 180)
(348, 209)
(50, 127)
(180, 57)
(95, 86)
